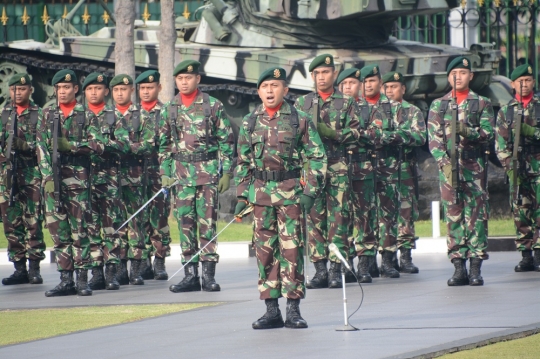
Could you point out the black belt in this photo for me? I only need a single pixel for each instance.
(276, 176)
(133, 161)
(360, 157)
(334, 155)
(67, 160)
(27, 162)
(107, 164)
(473, 154)
(194, 157)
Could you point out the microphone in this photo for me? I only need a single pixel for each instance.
(334, 249)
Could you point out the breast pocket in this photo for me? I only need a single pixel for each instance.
(257, 143)
(285, 142)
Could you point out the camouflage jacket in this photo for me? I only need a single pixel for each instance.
(188, 136)
(268, 150)
(149, 122)
(439, 133)
(339, 113)
(85, 140)
(504, 137)
(27, 132)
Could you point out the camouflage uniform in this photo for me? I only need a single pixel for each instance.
(277, 213)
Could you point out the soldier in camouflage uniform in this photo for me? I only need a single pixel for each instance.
(105, 200)
(67, 210)
(364, 245)
(394, 89)
(337, 125)
(273, 140)
(156, 225)
(195, 137)
(526, 205)
(465, 203)
(22, 218)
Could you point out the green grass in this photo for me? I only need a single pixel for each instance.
(524, 348)
(25, 325)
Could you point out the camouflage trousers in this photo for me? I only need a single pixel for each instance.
(527, 213)
(196, 212)
(387, 213)
(279, 251)
(328, 221)
(466, 218)
(156, 226)
(106, 216)
(132, 237)
(364, 219)
(68, 228)
(23, 223)
(408, 210)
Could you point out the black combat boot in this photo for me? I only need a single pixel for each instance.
(20, 276)
(460, 274)
(208, 282)
(83, 289)
(334, 276)
(349, 276)
(373, 266)
(406, 264)
(395, 262)
(363, 269)
(191, 281)
(387, 268)
(527, 263)
(159, 269)
(475, 277)
(537, 260)
(98, 280)
(122, 275)
(34, 275)
(294, 320)
(320, 279)
(111, 283)
(66, 286)
(272, 318)
(135, 272)
(146, 269)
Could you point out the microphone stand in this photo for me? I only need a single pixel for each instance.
(346, 326)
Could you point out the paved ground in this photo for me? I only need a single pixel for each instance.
(399, 317)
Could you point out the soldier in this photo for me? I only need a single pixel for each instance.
(20, 189)
(524, 108)
(364, 245)
(337, 125)
(394, 89)
(195, 137)
(156, 225)
(65, 142)
(462, 169)
(105, 200)
(272, 141)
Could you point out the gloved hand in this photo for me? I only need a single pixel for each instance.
(305, 166)
(325, 131)
(20, 145)
(224, 183)
(510, 174)
(240, 206)
(167, 181)
(527, 130)
(464, 130)
(49, 186)
(306, 202)
(447, 171)
(63, 144)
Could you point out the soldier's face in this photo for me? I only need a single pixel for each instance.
(324, 78)
(122, 94)
(149, 92)
(21, 96)
(372, 86)
(351, 87)
(272, 92)
(394, 91)
(95, 94)
(528, 85)
(187, 83)
(463, 78)
(66, 92)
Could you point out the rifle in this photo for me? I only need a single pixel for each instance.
(454, 161)
(12, 158)
(316, 114)
(56, 160)
(516, 160)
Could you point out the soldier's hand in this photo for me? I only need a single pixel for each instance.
(240, 206)
(20, 145)
(63, 144)
(447, 170)
(464, 130)
(49, 186)
(306, 202)
(167, 181)
(224, 183)
(510, 175)
(527, 130)
(325, 131)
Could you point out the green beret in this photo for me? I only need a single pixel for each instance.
(523, 70)
(121, 79)
(393, 76)
(353, 72)
(369, 71)
(273, 73)
(187, 67)
(95, 78)
(148, 77)
(460, 62)
(64, 76)
(324, 60)
(20, 80)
